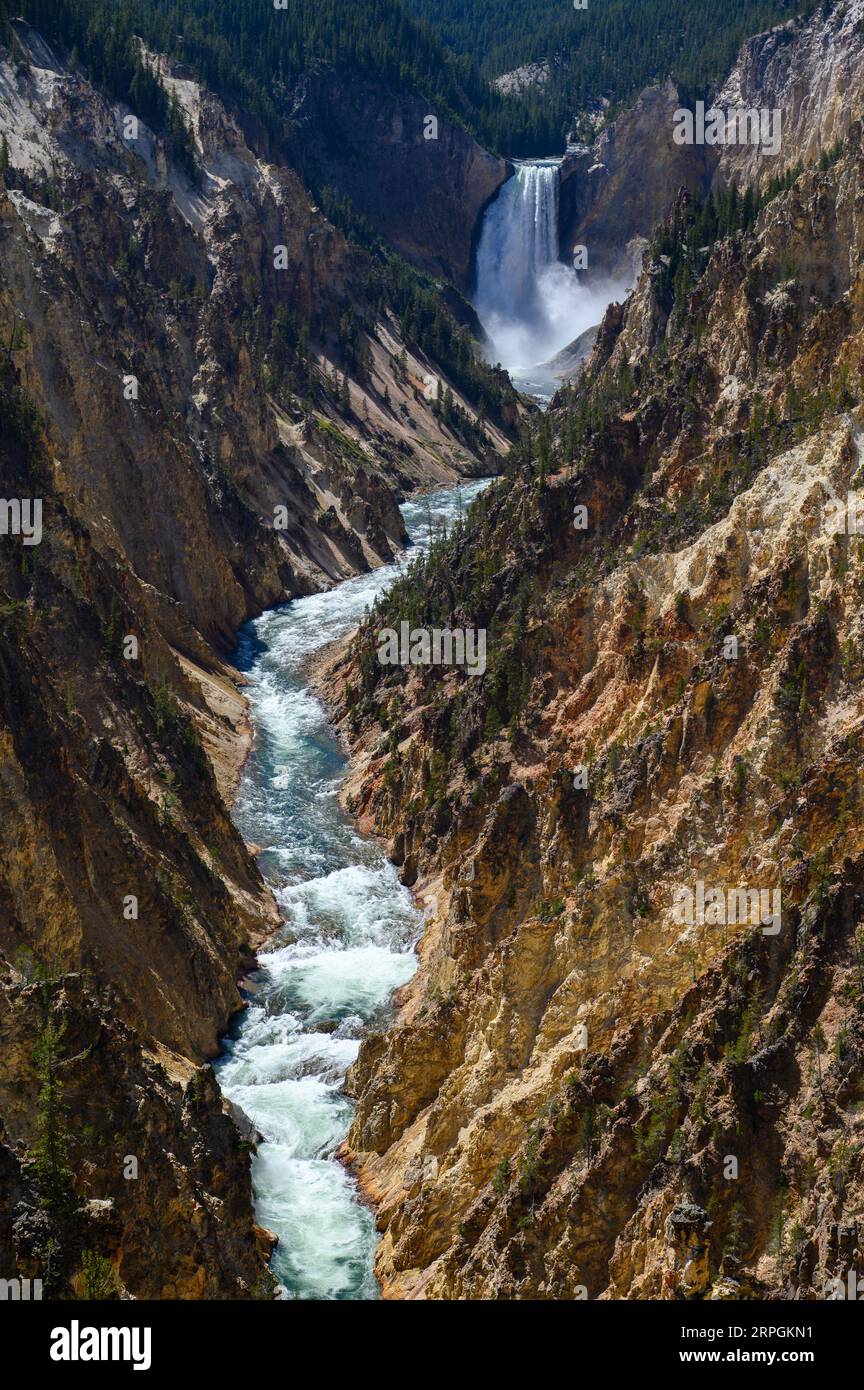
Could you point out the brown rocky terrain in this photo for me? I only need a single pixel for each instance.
(807, 69)
(603, 207)
(811, 71)
(584, 1093)
(422, 186)
(128, 907)
(208, 433)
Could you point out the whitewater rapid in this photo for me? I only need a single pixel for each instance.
(347, 940)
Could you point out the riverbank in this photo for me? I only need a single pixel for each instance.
(386, 1179)
(345, 941)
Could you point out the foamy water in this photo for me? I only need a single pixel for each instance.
(530, 303)
(349, 929)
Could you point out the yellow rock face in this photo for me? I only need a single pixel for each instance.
(620, 1072)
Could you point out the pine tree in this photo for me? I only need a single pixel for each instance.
(52, 1172)
(100, 1280)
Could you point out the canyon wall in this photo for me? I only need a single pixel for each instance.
(590, 1090)
(211, 394)
(609, 207)
(810, 71)
(807, 70)
(419, 178)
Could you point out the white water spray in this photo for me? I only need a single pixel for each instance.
(530, 303)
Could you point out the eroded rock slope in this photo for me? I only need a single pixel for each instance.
(218, 402)
(587, 1093)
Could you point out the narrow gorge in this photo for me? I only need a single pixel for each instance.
(347, 939)
(349, 930)
(431, 657)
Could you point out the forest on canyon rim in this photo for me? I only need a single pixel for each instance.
(431, 663)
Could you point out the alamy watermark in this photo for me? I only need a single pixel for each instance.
(738, 125)
(20, 1290)
(77, 1343)
(421, 646)
(852, 1288)
(719, 907)
(844, 516)
(21, 516)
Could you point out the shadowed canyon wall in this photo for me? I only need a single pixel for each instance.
(218, 407)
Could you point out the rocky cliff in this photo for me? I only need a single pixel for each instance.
(217, 401)
(418, 177)
(597, 1085)
(807, 70)
(604, 207)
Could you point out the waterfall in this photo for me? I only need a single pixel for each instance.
(529, 302)
(518, 241)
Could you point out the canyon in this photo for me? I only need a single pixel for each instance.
(581, 1096)
(130, 904)
(233, 363)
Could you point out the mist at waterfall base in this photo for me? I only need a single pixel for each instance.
(530, 303)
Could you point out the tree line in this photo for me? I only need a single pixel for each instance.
(448, 51)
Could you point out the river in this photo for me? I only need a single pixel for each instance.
(347, 939)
